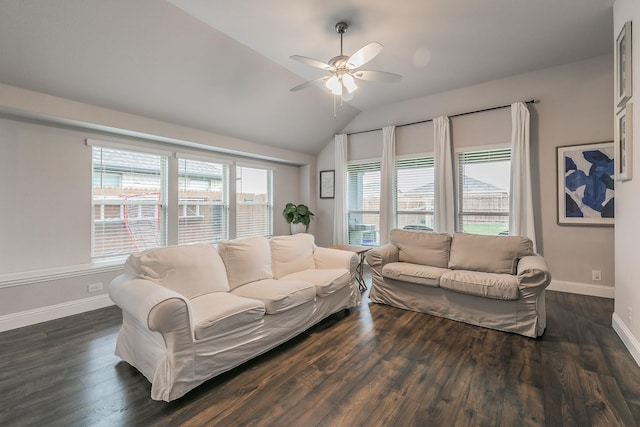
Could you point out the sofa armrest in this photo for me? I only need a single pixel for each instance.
(158, 308)
(382, 255)
(533, 272)
(335, 258)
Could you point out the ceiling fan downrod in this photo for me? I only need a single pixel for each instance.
(341, 28)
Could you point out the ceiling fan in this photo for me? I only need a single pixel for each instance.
(344, 70)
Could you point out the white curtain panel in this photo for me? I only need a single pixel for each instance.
(521, 221)
(444, 209)
(340, 231)
(387, 183)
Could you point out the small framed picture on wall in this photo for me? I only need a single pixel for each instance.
(624, 143)
(623, 76)
(327, 184)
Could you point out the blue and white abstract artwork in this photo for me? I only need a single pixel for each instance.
(586, 184)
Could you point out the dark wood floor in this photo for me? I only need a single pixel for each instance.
(377, 366)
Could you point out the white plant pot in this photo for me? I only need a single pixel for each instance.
(298, 228)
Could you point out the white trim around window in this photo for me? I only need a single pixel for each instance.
(129, 146)
(203, 157)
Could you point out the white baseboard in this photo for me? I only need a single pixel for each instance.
(627, 337)
(582, 289)
(52, 312)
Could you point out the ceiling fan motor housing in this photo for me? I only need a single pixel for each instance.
(339, 62)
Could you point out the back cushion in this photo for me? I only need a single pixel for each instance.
(419, 247)
(290, 254)
(491, 254)
(247, 260)
(190, 270)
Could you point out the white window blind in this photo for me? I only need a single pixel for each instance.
(364, 203)
(415, 193)
(254, 202)
(129, 201)
(483, 191)
(203, 201)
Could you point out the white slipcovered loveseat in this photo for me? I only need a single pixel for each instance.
(192, 312)
(493, 281)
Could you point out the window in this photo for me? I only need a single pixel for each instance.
(483, 191)
(364, 203)
(254, 202)
(415, 190)
(203, 201)
(129, 201)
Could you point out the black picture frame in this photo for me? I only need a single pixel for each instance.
(328, 184)
(623, 74)
(624, 143)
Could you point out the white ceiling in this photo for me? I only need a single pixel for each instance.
(224, 66)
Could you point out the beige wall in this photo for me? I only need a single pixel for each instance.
(45, 188)
(573, 108)
(626, 318)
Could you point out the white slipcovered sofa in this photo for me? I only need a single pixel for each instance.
(192, 312)
(491, 281)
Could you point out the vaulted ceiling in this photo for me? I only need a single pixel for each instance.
(224, 66)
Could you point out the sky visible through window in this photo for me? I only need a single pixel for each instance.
(251, 181)
(495, 173)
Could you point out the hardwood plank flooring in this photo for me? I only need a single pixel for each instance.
(376, 366)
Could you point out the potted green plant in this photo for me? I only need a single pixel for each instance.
(298, 216)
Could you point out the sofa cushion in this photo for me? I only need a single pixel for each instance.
(490, 285)
(290, 254)
(219, 312)
(190, 270)
(414, 273)
(326, 281)
(420, 247)
(247, 260)
(278, 295)
(491, 254)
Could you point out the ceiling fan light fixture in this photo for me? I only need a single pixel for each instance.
(334, 85)
(349, 83)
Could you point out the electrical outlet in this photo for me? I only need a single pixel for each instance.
(94, 287)
(629, 315)
(596, 275)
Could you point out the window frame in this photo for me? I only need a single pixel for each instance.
(428, 160)
(183, 203)
(162, 204)
(502, 152)
(366, 165)
(268, 204)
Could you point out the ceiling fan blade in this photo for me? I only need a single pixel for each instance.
(309, 83)
(312, 62)
(377, 76)
(364, 55)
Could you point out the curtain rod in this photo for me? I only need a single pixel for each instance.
(531, 101)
